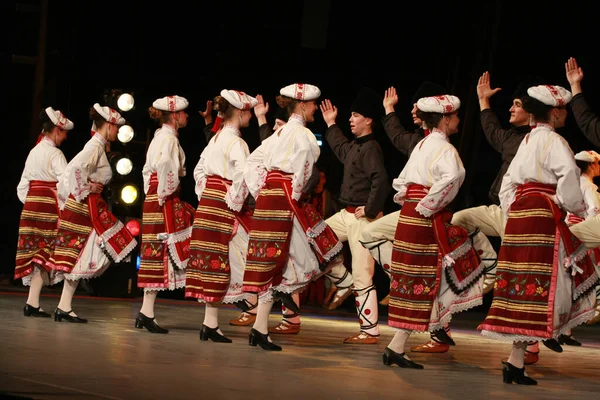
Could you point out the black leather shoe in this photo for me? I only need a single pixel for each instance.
(212, 334)
(142, 322)
(30, 311)
(257, 338)
(441, 336)
(511, 374)
(287, 300)
(553, 345)
(568, 340)
(60, 315)
(391, 357)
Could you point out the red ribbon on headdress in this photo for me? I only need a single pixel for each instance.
(40, 137)
(218, 122)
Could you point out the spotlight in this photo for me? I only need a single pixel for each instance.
(124, 166)
(125, 133)
(125, 102)
(133, 226)
(129, 194)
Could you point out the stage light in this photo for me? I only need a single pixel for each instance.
(125, 102)
(124, 166)
(125, 133)
(129, 194)
(133, 226)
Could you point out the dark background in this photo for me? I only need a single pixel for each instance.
(195, 49)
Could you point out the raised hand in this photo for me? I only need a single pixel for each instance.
(484, 89)
(573, 71)
(329, 112)
(207, 114)
(262, 108)
(390, 99)
(208, 111)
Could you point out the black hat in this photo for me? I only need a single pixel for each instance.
(526, 83)
(368, 103)
(428, 89)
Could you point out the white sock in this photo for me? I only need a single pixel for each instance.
(399, 341)
(148, 303)
(35, 288)
(211, 316)
(517, 355)
(341, 292)
(66, 297)
(262, 317)
(252, 304)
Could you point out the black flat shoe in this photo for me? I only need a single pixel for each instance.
(391, 357)
(568, 340)
(142, 322)
(60, 315)
(30, 311)
(212, 334)
(553, 345)
(287, 300)
(441, 336)
(257, 338)
(511, 374)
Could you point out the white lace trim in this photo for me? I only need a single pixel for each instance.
(175, 238)
(172, 286)
(60, 276)
(317, 230)
(460, 251)
(455, 309)
(585, 286)
(117, 258)
(231, 204)
(424, 211)
(230, 299)
(331, 253)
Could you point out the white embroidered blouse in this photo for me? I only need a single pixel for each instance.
(293, 149)
(545, 157)
(45, 162)
(225, 156)
(165, 157)
(434, 163)
(89, 165)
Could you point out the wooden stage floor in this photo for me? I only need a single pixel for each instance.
(109, 359)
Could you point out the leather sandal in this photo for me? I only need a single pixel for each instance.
(245, 319)
(286, 328)
(362, 338)
(431, 347)
(338, 300)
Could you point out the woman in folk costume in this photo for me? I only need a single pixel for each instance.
(219, 236)
(589, 165)
(37, 191)
(166, 221)
(89, 237)
(289, 241)
(435, 271)
(544, 279)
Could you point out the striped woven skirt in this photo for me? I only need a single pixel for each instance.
(89, 238)
(165, 248)
(283, 253)
(37, 229)
(544, 277)
(434, 273)
(218, 240)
